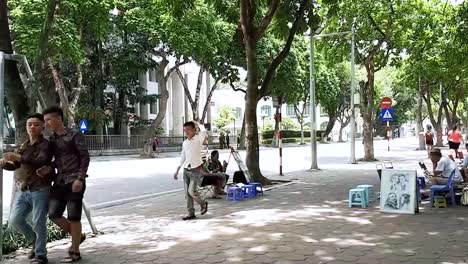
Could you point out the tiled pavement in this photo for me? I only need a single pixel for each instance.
(305, 222)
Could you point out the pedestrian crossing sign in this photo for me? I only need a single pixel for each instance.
(386, 114)
(84, 125)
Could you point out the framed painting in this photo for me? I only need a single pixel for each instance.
(398, 191)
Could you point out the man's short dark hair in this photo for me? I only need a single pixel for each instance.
(189, 124)
(37, 116)
(53, 110)
(466, 145)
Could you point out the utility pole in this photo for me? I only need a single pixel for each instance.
(353, 112)
(313, 126)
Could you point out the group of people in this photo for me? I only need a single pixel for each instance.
(50, 176)
(454, 138)
(224, 140)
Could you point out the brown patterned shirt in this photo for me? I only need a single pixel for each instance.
(71, 156)
(33, 157)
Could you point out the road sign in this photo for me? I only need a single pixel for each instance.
(386, 114)
(386, 103)
(83, 126)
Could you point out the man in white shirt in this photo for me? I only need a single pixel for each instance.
(443, 168)
(191, 162)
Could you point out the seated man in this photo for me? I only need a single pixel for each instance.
(443, 168)
(214, 173)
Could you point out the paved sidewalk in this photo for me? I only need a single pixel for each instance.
(305, 222)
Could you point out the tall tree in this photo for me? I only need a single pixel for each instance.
(258, 19)
(379, 27)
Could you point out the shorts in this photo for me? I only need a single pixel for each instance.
(453, 145)
(61, 196)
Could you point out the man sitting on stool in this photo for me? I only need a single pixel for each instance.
(443, 168)
(214, 174)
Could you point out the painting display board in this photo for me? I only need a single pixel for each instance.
(241, 164)
(398, 192)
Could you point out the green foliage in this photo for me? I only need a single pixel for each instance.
(95, 117)
(226, 115)
(72, 19)
(12, 240)
(268, 134)
(287, 123)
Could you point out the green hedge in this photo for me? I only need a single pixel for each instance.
(12, 240)
(287, 140)
(268, 134)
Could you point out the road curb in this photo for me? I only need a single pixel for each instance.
(131, 200)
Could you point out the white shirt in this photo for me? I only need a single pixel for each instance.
(191, 150)
(447, 166)
(465, 162)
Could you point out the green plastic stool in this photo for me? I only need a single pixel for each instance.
(440, 202)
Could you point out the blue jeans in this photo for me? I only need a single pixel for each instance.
(37, 203)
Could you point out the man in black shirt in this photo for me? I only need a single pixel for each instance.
(71, 160)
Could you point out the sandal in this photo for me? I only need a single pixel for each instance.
(204, 209)
(72, 257)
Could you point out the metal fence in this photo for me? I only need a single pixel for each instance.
(116, 142)
(121, 142)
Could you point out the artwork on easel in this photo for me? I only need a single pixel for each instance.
(398, 191)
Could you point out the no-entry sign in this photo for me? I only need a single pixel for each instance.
(386, 103)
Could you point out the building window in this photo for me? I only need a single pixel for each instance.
(152, 75)
(238, 112)
(265, 111)
(154, 108)
(290, 110)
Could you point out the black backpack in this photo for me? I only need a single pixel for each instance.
(239, 177)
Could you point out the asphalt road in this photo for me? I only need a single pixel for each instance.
(122, 177)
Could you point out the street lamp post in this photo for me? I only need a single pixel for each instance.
(353, 87)
(313, 122)
(313, 126)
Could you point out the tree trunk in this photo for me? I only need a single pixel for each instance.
(340, 136)
(208, 101)
(436, 123)
(302, 131)
(330, 125)
(40, 92)
(242, 135)
(419, 120)
(251, 128)
(368, 111)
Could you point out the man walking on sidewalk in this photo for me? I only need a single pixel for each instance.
(32, 183)
(191, 162)
(71, 162)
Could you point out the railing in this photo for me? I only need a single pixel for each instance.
(116, 142)
(120, 142)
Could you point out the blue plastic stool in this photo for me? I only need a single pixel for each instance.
(258, 187)
(248, 191)
(369, 191)
(357, 197)
(234, 194)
